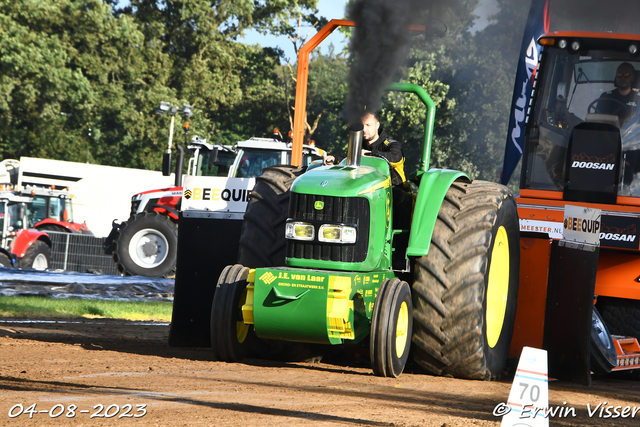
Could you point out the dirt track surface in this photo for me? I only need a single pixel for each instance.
(109, 363)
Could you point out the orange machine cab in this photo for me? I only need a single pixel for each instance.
(582, 147)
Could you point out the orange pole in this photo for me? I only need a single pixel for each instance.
(300, 113)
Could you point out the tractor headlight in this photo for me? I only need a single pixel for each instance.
(299, 231)
(337, 234)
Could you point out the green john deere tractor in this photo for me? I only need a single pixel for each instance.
(322, 260)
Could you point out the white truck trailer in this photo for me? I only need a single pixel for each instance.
(101, 194)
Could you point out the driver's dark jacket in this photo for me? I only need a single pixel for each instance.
(390, 149)
(630, 100)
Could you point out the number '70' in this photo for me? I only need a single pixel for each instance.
(534, 392)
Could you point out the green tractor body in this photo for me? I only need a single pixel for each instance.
(349, 274)
(327, 291)
(314, 306)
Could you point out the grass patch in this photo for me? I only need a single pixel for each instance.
(34, 307)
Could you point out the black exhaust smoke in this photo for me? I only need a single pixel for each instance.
(380, 42)
(378, 46)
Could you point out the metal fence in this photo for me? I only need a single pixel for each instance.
(81, 253)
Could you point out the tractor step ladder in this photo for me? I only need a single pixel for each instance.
(628, 351)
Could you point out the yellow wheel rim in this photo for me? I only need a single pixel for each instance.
(498, 287)
(242, 329)
(402, 329)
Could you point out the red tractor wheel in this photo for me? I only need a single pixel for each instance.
(38, 256)
(146, 245)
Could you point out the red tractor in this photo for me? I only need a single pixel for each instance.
(26, 216)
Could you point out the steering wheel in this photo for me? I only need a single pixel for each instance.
(621, 108)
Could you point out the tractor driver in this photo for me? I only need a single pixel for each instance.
(376, 142)
(623, 100)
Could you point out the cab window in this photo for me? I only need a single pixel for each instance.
(36, 210)
(254, 161)
(574, 89)
(219, 168)
(307, 159)
(14, 219)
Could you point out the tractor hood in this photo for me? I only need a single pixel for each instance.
(345, 181)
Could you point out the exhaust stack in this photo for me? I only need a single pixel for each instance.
(354, 150)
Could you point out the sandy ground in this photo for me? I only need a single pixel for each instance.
(123, 373)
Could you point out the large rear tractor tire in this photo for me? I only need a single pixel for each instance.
(466, 288)
(146, 245)
(622, 316)
(262, 242)
(38, 256)
(231, 338)
(391, 325)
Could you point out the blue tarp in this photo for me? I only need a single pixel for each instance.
(63, 284)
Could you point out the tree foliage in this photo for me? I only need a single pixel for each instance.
(479, 68)
(79, 79)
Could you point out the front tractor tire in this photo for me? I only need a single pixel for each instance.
(5, 261)
(230, 336)
(38, 256)
(146, 245)
(262, 242)
(466, 288)
(391, 325)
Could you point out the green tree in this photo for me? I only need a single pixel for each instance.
(233, 87)
(405, 116)
(485, 82)
(41, 98)
(75, 83)
(79, 79)
(327, 92)
(479, 69)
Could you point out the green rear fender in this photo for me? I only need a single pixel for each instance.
(434, 185)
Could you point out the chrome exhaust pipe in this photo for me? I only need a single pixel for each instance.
(354, 150)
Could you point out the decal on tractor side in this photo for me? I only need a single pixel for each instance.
(216, 193)
(552, 229)
(593, 165)
(620, 232)
(581, 224)
(615, 232)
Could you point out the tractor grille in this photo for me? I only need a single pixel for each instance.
(336, 210)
